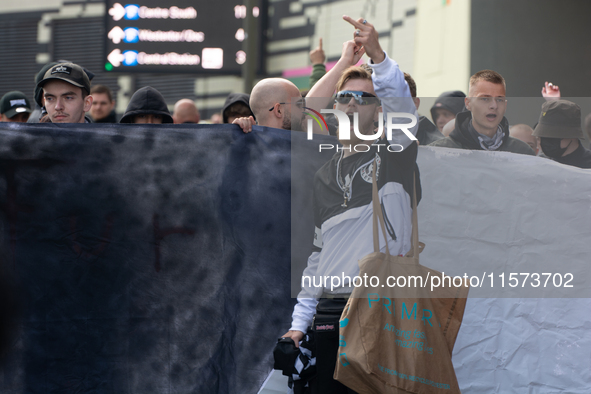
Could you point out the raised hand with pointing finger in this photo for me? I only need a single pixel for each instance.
(317, 55)
(366, 36)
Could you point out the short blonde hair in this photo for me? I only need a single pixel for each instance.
(488, 76)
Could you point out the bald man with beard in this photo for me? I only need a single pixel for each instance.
(271, 103)
(185, 111)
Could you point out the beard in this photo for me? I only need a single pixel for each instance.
(287, 124)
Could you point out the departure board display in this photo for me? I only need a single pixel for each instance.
(177, 36)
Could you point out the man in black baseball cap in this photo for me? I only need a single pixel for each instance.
(14, 107)
(66, 90)
(559, 129)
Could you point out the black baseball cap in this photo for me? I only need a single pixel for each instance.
(453, 101)
(68, 72)
(13, 103)
(41, 74)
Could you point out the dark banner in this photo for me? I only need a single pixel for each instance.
(146, 259)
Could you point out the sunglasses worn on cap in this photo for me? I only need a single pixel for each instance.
(361, 98)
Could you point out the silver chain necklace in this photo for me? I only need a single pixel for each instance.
(344, 184)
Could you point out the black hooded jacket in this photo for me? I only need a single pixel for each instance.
(460, 137)
(146, 100)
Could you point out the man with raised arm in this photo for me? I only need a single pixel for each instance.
(388, 80)
(343, 191)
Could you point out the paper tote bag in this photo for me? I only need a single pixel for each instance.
(395, 339)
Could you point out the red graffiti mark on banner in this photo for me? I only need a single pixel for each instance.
(159, 235)
(104, 239)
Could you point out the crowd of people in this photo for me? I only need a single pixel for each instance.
(342, 187)
(64, 94)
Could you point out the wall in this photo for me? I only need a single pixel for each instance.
(442, 52)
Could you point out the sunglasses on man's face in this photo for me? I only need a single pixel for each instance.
(361, 98)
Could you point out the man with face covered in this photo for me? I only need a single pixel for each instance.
(559, 130)
(484, 126)
(343, 191)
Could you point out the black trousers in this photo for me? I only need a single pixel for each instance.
(326, 336)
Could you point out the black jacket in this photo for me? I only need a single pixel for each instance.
(427, 132)
(581, 158)
(111, 118)
(146, 100)
(461, 138)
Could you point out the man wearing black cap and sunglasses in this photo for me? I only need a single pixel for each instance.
(343, 189)
(66, 91)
